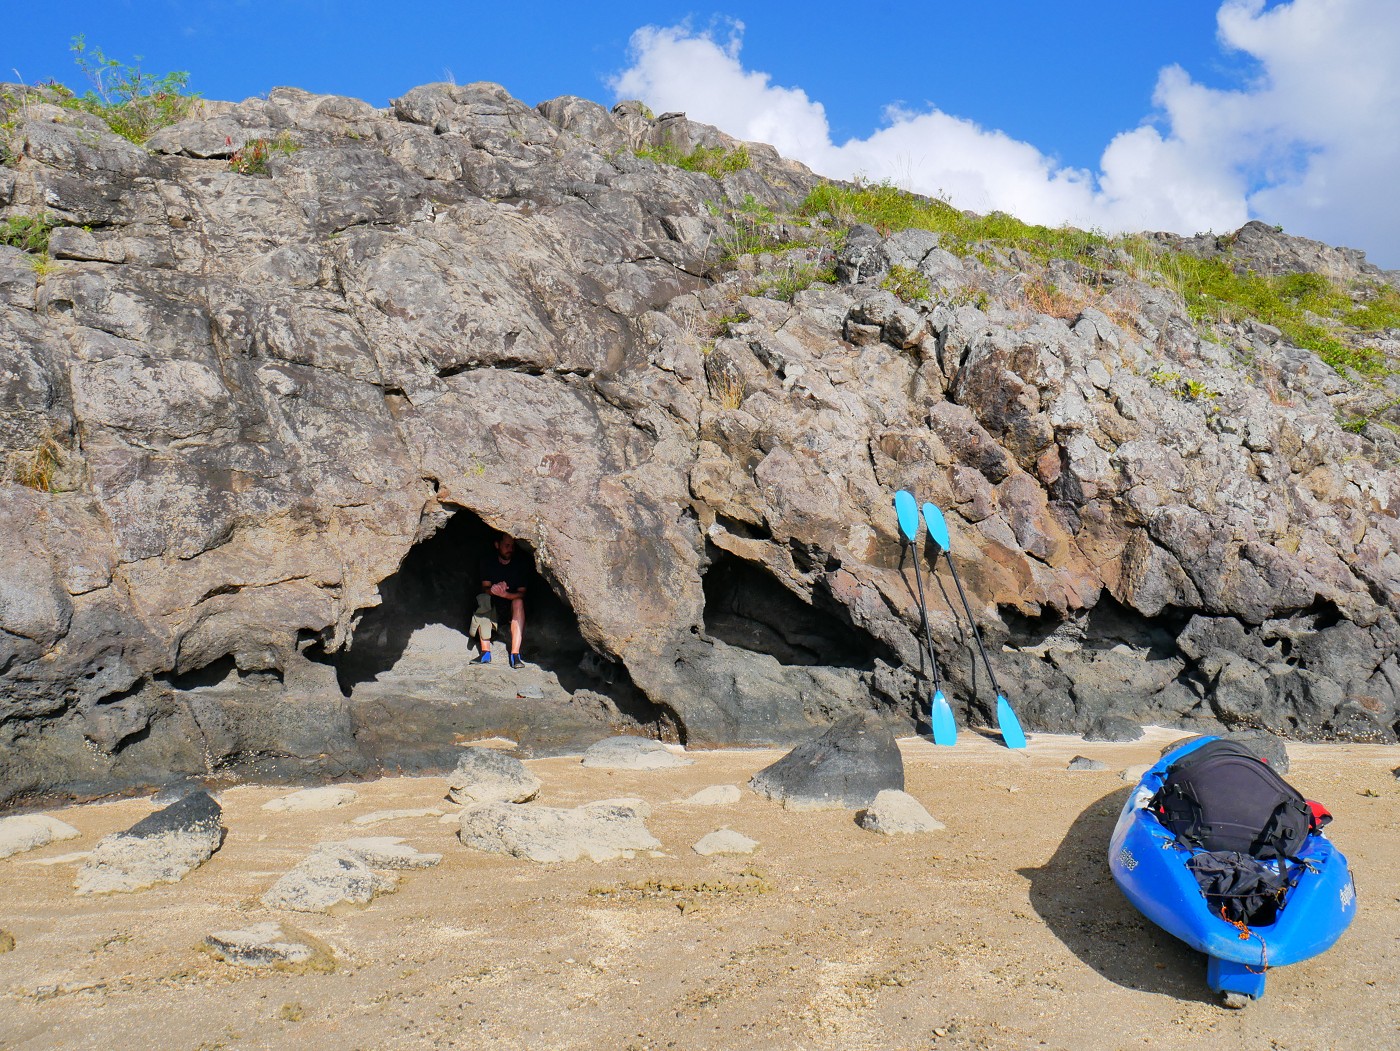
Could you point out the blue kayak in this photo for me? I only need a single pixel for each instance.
(1150, 867)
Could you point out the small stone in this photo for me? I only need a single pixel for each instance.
(331, 876)
(1083, 762)
(30, 831)
(632, 753)
(7, 942)
(327, 798)
(173, 793)
(262, 945)
(725, 842)
(1135, 772)
(715, 795)
(387, 852)
(530, 693)
(895, 812)
(394, 815)
(486, 775)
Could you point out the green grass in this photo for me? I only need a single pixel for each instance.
(794, 278)
(712, 160)
(908, 285)
(28, 232)
(1309, 309)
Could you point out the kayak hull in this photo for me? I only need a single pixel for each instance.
(1150, 868)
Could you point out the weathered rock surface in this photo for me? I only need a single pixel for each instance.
(380, 816)
(384, 852)
(163, 847)
(328, 797)
(600, 831)
(724, 842)
(268, 944)
(235, 406)
(897, 813)
(30, 831)
(847, 766)
(715, 795)
(1083, 762)
(632, 753)
(1112, 728)
(1265, 745)
(331, 875)
(485, 775)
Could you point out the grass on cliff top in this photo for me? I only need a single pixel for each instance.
(29, 233)
(1309, 309)
(712, 160)
(133, 103)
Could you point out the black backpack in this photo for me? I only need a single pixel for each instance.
(1223, 797)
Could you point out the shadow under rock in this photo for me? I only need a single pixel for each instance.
(1075, 895)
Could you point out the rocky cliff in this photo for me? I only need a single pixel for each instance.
(260, 404)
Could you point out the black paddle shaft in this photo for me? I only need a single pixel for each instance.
(975, 633)
(923, 614)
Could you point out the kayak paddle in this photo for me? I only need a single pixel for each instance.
(1007, 723)
(945, 729)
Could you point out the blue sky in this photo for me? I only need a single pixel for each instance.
(1168, 114)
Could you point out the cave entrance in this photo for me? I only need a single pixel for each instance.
(426, 607)
(746, 606)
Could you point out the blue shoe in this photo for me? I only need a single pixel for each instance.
(485, 658)
(516, 662)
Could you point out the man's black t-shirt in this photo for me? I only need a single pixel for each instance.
(513, 572)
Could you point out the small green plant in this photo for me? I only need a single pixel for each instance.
(133, 103)
(28, 232)
(1195, 390)
(794, 278)
(1162, 378)
(252, 157)
(907, 284)
(712, 160)
(723, 326)
(1353, 424)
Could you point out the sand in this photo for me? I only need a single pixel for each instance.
(1002, 931)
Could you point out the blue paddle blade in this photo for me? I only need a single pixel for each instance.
(945, 730)
(1009, 725)
(937, 527)
(908, 512)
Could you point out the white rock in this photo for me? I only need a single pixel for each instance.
(122, 863)
(330, 876)
(386, 852)
(327, 798)
(725, 841)
(715, 795)
(394, 815)
(61, 859)
(632, 753)
(1136, 772)
(601, 831)
(30, 831)
(261, 945)
(486, 775)
(640, 807)
(895, 812)
(162, 847)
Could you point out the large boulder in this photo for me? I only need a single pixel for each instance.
(847, 766)
(161, 848)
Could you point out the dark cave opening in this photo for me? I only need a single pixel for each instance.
(746, 606)
(437, 584)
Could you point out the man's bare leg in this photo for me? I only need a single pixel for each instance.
(517, 624)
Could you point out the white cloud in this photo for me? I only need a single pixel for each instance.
(1312, 143)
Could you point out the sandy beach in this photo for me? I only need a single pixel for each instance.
(1002, 931)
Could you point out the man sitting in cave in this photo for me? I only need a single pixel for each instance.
(503, 594)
